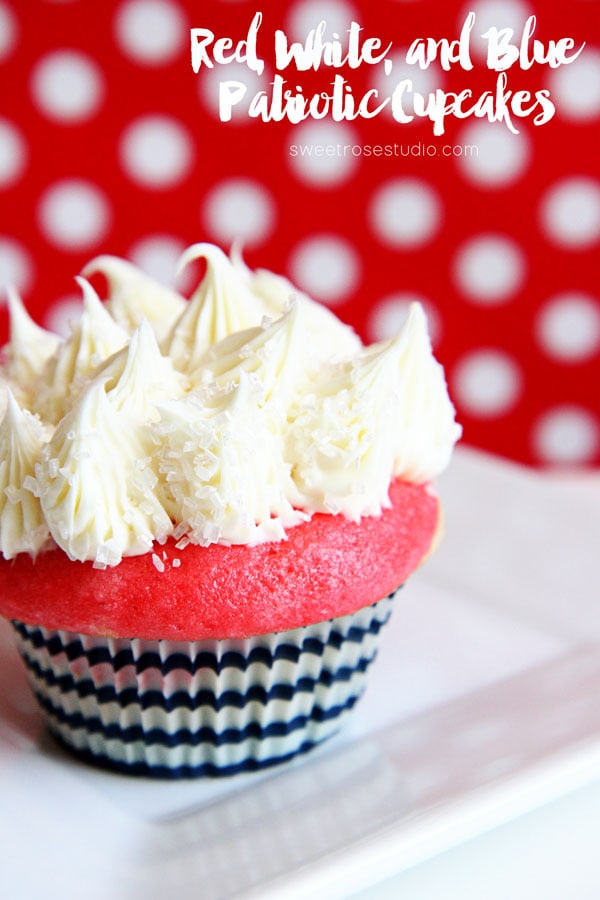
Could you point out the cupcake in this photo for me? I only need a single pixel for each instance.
(207, 508)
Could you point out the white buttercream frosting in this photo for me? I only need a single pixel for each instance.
(134, 296)
(219, 307)
(22, 524)
(384, 413)
(29, 350)
(94, 338)
(331, 340)
(230, 418)
(223, 465)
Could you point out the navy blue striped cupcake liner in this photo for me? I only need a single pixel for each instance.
(178, 709)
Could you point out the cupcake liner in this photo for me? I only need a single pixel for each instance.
(176, 708)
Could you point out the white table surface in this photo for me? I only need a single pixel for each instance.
(471, 767)
(548, 854)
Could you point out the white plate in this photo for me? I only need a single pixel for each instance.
(482, 705)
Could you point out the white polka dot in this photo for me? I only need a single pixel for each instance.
(152, 32)
(8, 31)
(496, 157)
(494, 14)
(209, 81)
(307, 14)
(158, 255)
(67, 86)
(13, 153)
(63, 315)
(568, 327)
(74, 214)
(486, 383)
(575, 88)
(239, 209)
(327, 267)
(16, 267)
(156, 151)
(489, 269)
(390, 313)
(570, 212)
(405, 212)
(566, 435)
(323, 153)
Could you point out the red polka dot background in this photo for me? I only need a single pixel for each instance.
(109, 143)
